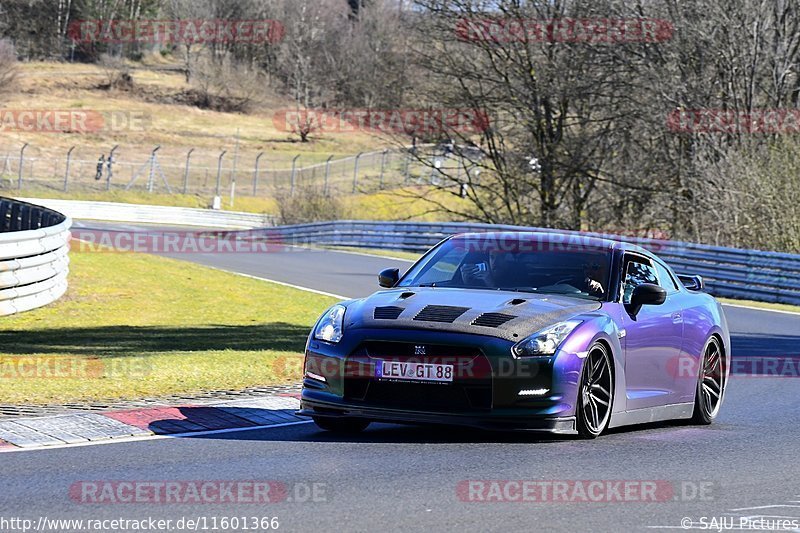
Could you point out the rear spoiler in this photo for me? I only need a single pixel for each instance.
(693, 283)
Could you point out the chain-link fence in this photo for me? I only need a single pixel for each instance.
(176, 171)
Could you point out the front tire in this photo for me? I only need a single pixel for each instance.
(710, 384)
(343, 425)
(595, 394)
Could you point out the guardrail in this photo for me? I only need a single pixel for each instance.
(34, 242)
(156, 214)
(728, 272)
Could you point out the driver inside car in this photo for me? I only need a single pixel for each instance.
(494, 269)
(593, 272)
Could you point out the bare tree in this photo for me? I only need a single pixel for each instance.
(8, 67)
(306, 55)
(372, 59)
(558, 103)
(736, 58)
(227, 85)
(116, 72)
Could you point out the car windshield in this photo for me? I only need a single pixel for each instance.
(519, 262)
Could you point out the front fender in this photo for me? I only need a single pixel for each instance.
(569, 360)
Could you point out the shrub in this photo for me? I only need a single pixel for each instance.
(307, 204)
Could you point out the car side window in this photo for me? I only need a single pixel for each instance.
(667, 281)
(637, 272)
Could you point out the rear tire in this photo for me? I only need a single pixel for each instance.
(342, 425)
(710, 384)
(595, 394)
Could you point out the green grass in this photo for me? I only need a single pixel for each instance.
(135, 325)
(761, 305)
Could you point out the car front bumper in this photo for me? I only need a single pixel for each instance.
(495, 422)
(491, 390)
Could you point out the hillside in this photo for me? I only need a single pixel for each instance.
(158, 108)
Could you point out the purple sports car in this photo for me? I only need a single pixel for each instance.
(541, 331)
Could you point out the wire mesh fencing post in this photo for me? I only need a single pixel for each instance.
(21, 165)
(355, 172)
(294, 174)
(66, 173)
(383, 168)
(152, 175)
(186, 172)
(255, 174)
(219, 172)
(110, 166)
(325, 189)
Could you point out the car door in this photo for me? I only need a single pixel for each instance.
(684, 370)
(653, 338)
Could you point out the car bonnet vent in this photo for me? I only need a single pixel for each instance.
(440, 313)
(390, 312)
(492, 320)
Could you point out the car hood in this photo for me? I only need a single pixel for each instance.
(507, 315)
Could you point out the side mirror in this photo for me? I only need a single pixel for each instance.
(389, 277)
(646, 294)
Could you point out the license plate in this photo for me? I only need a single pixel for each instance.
(413, 371)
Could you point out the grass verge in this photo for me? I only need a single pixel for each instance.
(762, 305)
(136, 325)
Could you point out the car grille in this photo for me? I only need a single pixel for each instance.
(440, 313)
(429, 396)
(471, 391)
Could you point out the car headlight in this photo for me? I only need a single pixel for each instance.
(330, 327)
(545, 342)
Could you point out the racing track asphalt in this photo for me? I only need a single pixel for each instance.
(405, 478)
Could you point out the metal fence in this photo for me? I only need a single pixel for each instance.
(228, 173)
(729, 272)
(34, 242)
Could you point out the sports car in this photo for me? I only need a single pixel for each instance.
(561, 333)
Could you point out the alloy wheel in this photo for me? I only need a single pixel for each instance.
(712, 380)
(596, 391)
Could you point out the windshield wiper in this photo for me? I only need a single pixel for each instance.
(518, 289)
(580, 294)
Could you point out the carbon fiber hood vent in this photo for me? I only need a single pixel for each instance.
(492, 320)
(498, 314)
(440, 313)
(389, 312)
